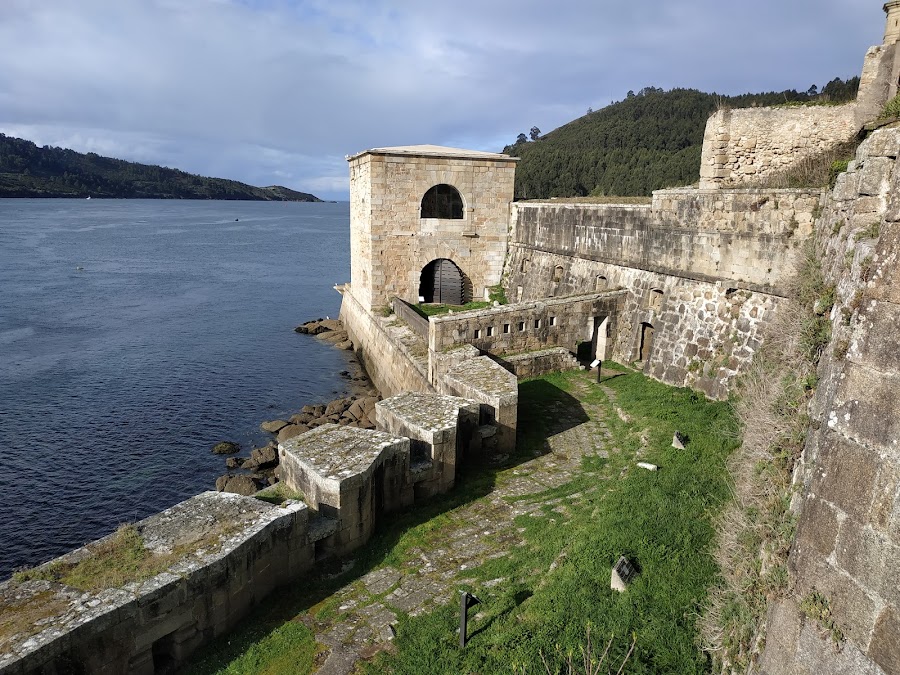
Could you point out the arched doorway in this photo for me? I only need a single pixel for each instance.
(442, 201)
(443, 282)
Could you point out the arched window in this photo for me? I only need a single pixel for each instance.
(442, 201)
(557, 274)
(654, 300)
(601, 283)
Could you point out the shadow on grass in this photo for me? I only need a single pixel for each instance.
(544, 409)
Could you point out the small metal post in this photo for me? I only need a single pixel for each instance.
(466, 600)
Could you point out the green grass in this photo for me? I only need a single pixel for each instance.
(661, 520)
(110, 563)
(427, 310)
(288, 648)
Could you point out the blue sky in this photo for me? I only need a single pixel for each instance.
(279, 91)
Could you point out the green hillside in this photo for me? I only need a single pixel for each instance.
(27, 170)
(648, 141)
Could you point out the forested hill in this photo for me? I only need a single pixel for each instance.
(27, 170)
(651, 140)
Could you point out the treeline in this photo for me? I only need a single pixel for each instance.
(648, 141)
(27, 170)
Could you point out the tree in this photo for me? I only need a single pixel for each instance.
(521, 138)
(535, 133)
(812, 91)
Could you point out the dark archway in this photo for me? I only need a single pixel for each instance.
(646, 341)
(442, 201)
(443, 282)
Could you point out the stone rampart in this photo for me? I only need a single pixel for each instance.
(552, 322)
(234, 551)
(395, 358)
(748, 237)
(692, 316)
(224, 553)
(748, 145)
(847, 546)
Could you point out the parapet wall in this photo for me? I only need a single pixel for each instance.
(393, 364)
(748, 145)
(749, 237)
(237, 550)
(529, 326)
(699, 273)
(847, 546)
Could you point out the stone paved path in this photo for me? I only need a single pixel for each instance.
(478, 531)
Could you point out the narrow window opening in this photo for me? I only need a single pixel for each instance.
(477, 333)
(537, 323)
(521, 326)
(506, 328)
(552, 320)
(490, 331)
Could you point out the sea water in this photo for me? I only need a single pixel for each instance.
(134, 335)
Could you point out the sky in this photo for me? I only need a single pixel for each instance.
(280, 91)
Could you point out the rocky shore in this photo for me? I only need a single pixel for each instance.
(247, 475)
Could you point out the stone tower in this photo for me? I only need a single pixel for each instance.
(892, 26)
(425, 218)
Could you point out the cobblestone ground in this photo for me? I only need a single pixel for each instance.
(478, 531)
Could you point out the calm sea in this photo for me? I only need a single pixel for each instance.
(136, 334)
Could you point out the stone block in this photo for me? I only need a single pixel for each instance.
(817, 528)
(846, 187)
(884, 647)
(783, 626)
(845, 475)
(880, 143)
(866, 407)
(871, 559)
(875, 176)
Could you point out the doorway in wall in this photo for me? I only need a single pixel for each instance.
(443, 282)
(646, 341)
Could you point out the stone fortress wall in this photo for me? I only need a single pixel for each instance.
(749, 145)
(847, 545)
(699, 272)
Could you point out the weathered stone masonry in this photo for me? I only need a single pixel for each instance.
(847, 546)
(700, 272)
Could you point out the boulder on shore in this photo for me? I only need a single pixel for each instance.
(274, 426)
(337, 406)
(290, 431)
(241, 485)
(235, 462)
(262, 458)
(225, 448)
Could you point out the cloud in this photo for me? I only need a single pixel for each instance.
(259, 89)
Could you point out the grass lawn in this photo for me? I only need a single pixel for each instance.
(554, 588)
